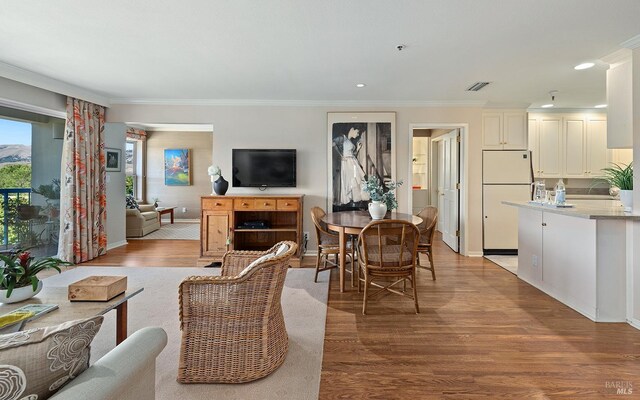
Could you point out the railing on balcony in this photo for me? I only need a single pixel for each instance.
(12, 198)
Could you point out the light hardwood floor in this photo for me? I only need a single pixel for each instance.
(481, 333)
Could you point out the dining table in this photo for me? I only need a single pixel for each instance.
(351, 223)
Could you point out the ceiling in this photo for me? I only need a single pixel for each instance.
(311, 51)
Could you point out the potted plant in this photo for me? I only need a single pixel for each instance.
(382, 196)
(621, 176)
(18, 275)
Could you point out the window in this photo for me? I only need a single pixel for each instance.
(131, 180)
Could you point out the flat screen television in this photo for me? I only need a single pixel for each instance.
(264, 167)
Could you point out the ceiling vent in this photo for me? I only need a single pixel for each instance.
(477, 86)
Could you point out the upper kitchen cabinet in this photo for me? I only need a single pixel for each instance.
(545, 143)
(620, 105)
(568, 145)
(504, 130)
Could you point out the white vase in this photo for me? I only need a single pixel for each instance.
(20, 294)
(626, 197)
(377, 209)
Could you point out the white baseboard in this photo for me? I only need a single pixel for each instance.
(189, 220)
(312, 253)
(475, 254)
(634, 322)
(116, 244)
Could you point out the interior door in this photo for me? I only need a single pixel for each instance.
(440, 182)
(450, 194)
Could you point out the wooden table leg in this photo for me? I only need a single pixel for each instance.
(121, 323)
(343, 256)
(171, 213)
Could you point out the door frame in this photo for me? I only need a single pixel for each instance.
(464, 173)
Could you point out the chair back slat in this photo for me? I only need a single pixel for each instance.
(389, 244)
(427, 228)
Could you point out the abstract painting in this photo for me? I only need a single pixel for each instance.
(177, 167)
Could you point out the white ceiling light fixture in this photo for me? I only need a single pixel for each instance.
(601, 106)
(552, 93)
(582, 66)
(360, 85)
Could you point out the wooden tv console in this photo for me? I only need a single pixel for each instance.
(226, 224)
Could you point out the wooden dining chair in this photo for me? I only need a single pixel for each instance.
(388, 249)
(329, 245)
(427, 229)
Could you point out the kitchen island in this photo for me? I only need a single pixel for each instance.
(577, 255)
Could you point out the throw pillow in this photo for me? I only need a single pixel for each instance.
(35, 363)
(282, 249)
(132, 203)
(255, 262)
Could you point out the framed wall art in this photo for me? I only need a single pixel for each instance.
(360, 145)
(177, 167)
(114, 159)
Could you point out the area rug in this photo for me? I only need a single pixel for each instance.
(177, 231)
(304, 304)
(510, 263)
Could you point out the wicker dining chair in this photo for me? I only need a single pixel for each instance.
(233, 329)
(387, 249)
(328, 245)
(427, 229)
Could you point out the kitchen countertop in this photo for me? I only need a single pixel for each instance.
(580, 211)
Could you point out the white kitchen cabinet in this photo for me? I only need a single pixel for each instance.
(568, 145)
(547, 149)
(578, 261)
(504, 130)
(620, 105)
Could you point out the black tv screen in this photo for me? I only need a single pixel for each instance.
(264, 167)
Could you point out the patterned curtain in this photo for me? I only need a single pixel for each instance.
(83, 192)
(137, 134)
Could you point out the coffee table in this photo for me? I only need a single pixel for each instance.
(70, 310)
(165, 210)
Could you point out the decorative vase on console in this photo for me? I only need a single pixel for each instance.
(381, 200)
(220, 185)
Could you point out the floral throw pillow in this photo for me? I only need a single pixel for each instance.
(35, 363)
(132, 203)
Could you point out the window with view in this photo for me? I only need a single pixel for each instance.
(131, 181)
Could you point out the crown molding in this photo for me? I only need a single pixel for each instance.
(632, 43)
(171, 127)
(44, 82)
(295, 103)
(617, 57)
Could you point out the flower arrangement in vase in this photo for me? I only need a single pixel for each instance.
(219, 185)
(382, 196)
(18, 275)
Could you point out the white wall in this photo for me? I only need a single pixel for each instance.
(200, 144)
(114, 137)
(305, 128)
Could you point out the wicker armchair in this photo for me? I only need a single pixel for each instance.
(427, 229)
(232, 325)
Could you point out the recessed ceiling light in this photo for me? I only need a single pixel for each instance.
(586, 65)
(360, 85)
(546, 105)
(601, 106)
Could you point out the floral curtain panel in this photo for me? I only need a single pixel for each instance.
(82, 191)
(137, 134)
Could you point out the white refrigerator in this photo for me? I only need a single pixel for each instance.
(506, 175)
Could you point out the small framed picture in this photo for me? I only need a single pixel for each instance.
(114, 157)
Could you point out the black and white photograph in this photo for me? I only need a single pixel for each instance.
(360, 145)
(113, 157)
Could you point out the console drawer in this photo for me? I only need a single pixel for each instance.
(264, 204)
(217, 204)
(287, 204)
(243, 204)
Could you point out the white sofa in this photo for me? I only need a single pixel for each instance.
(125, 373)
